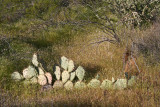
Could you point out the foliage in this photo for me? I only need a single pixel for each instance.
(135, 12)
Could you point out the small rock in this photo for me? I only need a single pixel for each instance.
(120, 84)
(65, 76)
(35, 60)
(42, 80)
(64, 62)
(94, 83)
(29, 72)
(49, 77)
(58, 73)
(73, 75)
(80, 85)
(58, 84)
(106, 84)
(80, 72)
(70, 66)
(68, 85)
(16, 76)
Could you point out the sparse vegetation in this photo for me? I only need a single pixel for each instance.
(55, 28)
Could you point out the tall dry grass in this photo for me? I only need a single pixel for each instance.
(104, 59)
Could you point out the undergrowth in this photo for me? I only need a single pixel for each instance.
(104, 59)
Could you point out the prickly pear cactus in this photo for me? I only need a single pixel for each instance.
(26, 82)
(65, 76)
(41, 72)
(106, 84)
(94, 83)
(35, 60)
(64, 62)
(80, 72)
(113, 80)
(132, 81)
(70, 66)
(42, 80)
(34, 80)
(58, 73)
(16, 76)
(68, 85)
(80, 85)
(58, 84)
(120, 84)
(73, 75)
(29, 72)
(49, 77)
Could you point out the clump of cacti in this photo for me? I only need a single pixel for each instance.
(66, 75)
(34, 73)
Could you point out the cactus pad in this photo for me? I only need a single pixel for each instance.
(80, 85)
(73, 75)
(49, 77)
(106, 84)
(120, 84)
(16, 76)
(65, 76)
(113, 80)
(35, 60)
(58, 73)
(68, 85)
(80, 72)
(94, 83)
(132, 80)
(34, 80)
(70, 66)
(42, 80)
(58, 84)
(64, 62)
(29, 72)
(41, 72)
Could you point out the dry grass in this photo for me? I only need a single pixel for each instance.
(104, 59)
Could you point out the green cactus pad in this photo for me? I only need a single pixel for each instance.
(34, 80)
(26, 82)
(120, 84)
(29, 72)
(65, 76)
(57, 73)
(80, 85)
(42, 80)
(106, 84)
(41, 72)
(70, 66)
(68, 85)
(16, 76)
(94, 83)
(113, 80)
(58, 85)
(80, 73)
(73, 75)
(64, 62)
(35, 60)
(132, 81)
